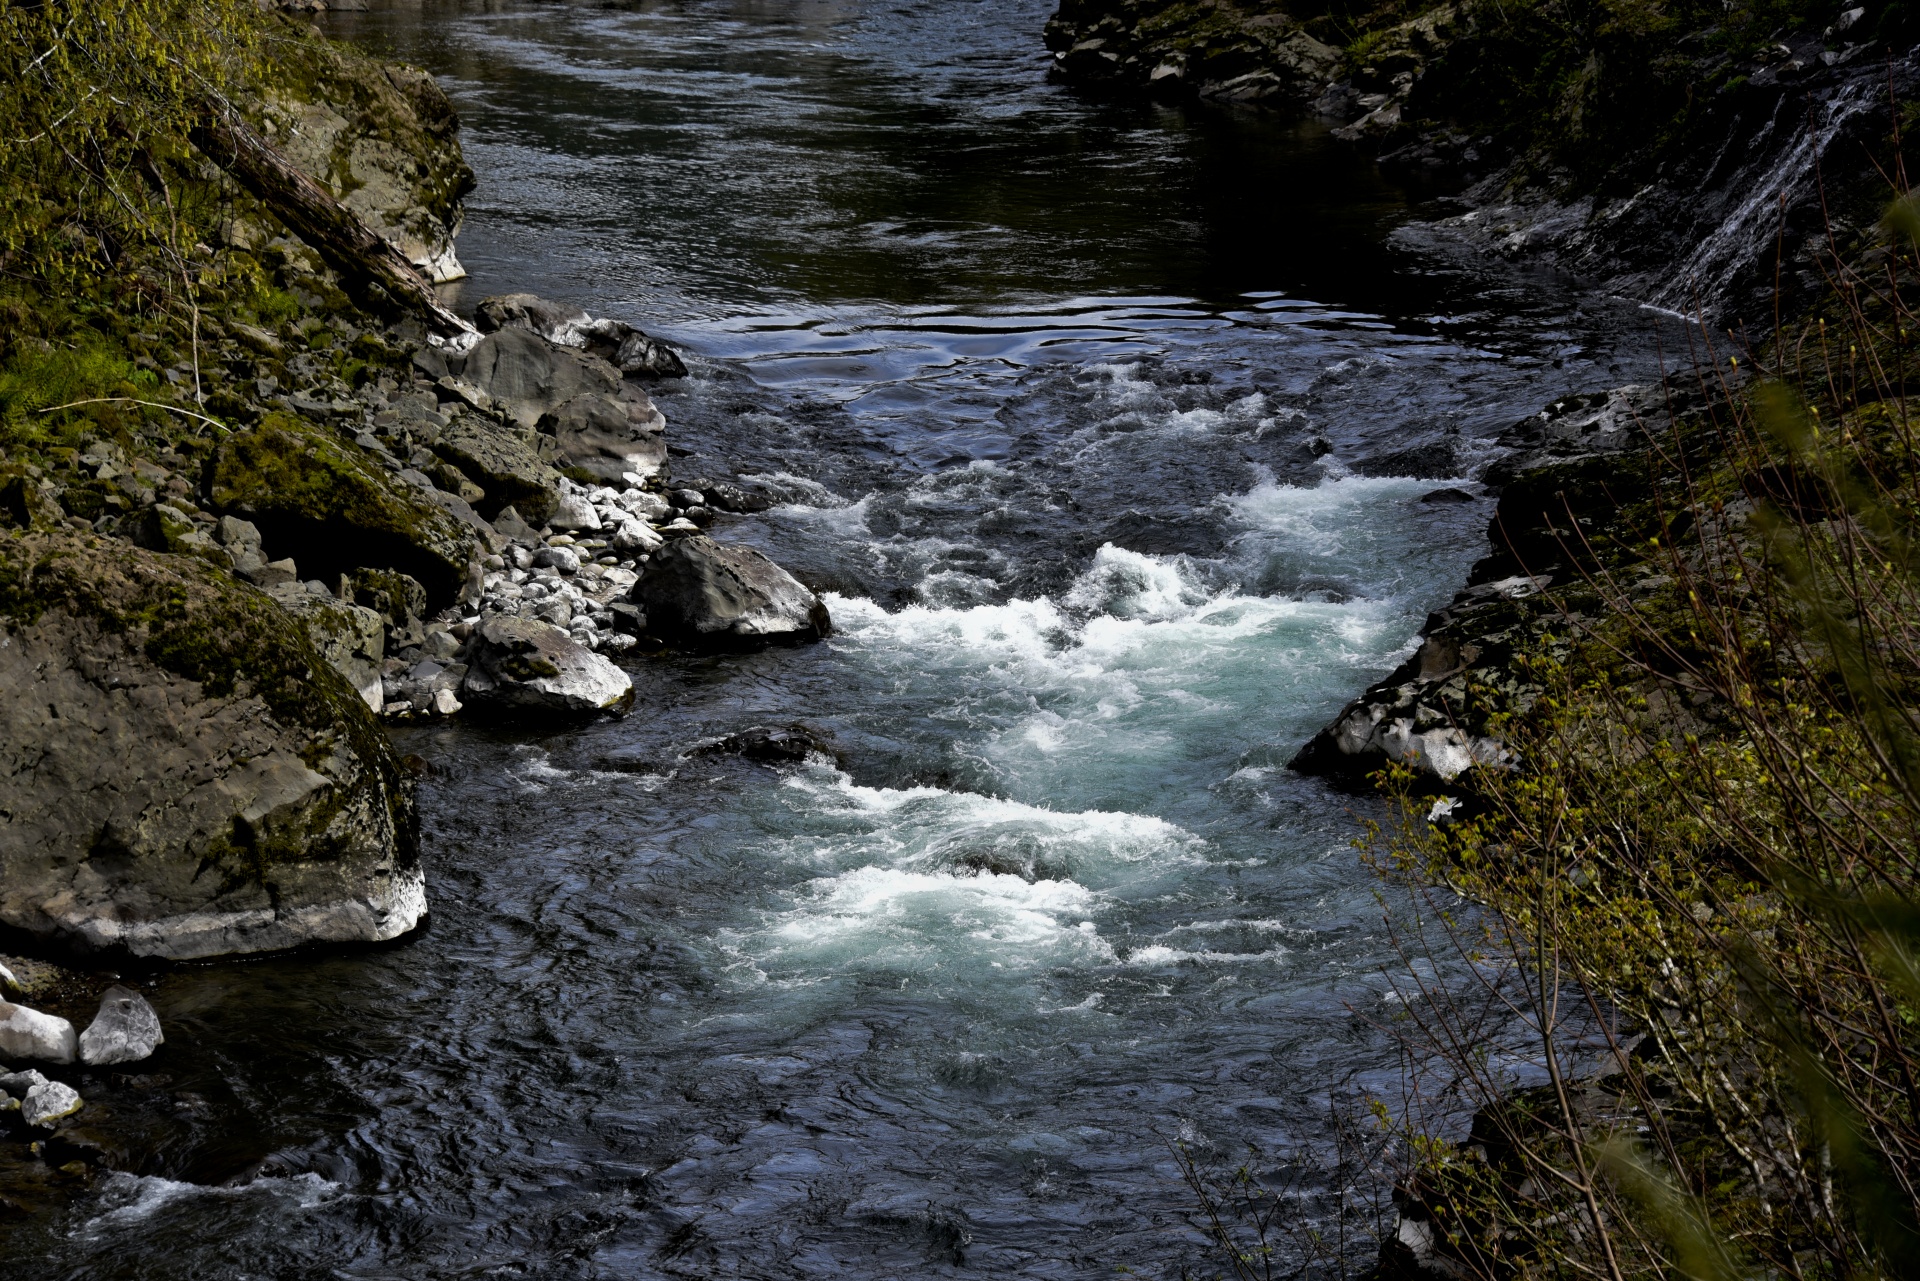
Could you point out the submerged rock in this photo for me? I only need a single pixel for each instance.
(770, 744)
(526, 668)
(181, 774)
(703, 595)
(28, 1034)
(125, 1030)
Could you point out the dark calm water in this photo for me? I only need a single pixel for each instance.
(1069, 406)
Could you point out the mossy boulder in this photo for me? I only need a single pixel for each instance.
(181, 774)
(326, 504)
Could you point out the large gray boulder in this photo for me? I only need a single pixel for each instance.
(608, 436)
(526, 375)
(125, 1030)
(527, 669)
(28, 1034)
(703, 595)
(632, 352)
(181, 774)
(383, 139)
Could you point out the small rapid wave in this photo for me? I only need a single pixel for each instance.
(126, 1200)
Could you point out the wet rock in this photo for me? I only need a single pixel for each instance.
(557, 322)
(702, 595)
(351, 638)
(522, 667)
(640, 356)
(48, 1102)
(181, 774)
(1222, 52)
(773, 745)
(1448, 495)
(125, 1030)
(1435, 459)
(731, 498)
(326, 504)
(26, 1033)
(628, 349)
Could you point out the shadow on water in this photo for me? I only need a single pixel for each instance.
(1094, 420)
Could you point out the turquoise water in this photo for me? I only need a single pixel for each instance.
(1068, 405)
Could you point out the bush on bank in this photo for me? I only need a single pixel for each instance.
(145, 298)
(1698, 876)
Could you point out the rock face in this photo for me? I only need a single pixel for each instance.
(1227, 50)
(1580, 459)
(28, 1034)
(125, 1031)
(383, 141)
(351, 638)
(181, 774)
(702, 595)
(323, 503)
(522, 667)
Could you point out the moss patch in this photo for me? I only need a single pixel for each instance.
(320, 500)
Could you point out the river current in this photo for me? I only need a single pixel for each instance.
(1107, 428)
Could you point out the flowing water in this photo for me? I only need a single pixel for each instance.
(1078, 412)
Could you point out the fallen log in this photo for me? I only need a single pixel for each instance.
(369, 264)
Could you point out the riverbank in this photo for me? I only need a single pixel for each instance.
(244, 524)
(1058, 852)
(1693, 161)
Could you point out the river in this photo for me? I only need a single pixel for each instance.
(1085, 415)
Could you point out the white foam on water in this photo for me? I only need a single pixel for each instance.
(1077, 699)
(904, 921)
(129, 1199)
(922, 879)
(1322, 519)
(1158, 955)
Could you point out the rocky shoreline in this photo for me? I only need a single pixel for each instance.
(206, 614)
(1706, 187)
